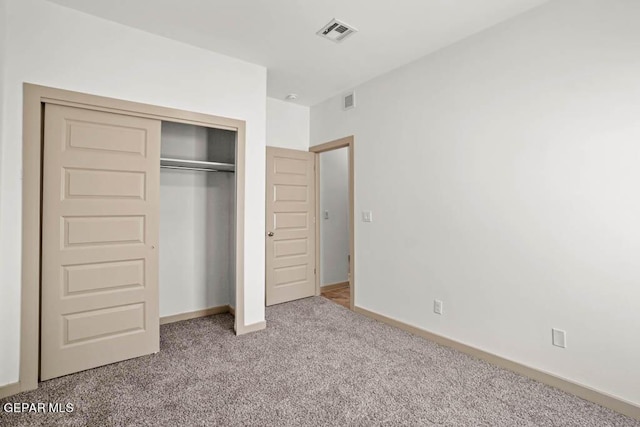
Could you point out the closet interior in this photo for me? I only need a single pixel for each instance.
(197, 218)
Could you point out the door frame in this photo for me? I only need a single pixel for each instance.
(346, 142)
(34, 99)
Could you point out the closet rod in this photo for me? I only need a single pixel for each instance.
(192, 169)
(196, 164)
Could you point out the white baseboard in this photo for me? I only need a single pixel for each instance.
(194, 314)
(9, 390)
(614, 403)
(254, 327)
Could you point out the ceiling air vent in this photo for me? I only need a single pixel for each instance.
(336, 31)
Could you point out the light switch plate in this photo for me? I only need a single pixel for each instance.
(367, 216)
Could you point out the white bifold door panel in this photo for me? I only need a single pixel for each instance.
(290, 208)
(99, 292)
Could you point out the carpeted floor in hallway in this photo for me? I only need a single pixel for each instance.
(316, 364)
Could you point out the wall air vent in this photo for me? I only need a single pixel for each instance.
(349, 101)
(336, 31)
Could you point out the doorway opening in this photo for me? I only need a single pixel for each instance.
(335, 221)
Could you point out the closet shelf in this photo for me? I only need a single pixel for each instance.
(196, 165)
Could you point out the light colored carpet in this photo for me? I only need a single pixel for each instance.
(316, 364)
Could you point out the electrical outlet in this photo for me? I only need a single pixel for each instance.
(437, 306)
(367, 216)
(559, 338)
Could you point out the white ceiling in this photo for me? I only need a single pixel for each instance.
(280, 34)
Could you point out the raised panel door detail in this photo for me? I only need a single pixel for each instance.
(290, 193)
(289, 166)
(291, 220)
(105, 276)
(291, 275)
(93, 231)
(105, 137)
(100, 184)
(103, 323)
(292, 247)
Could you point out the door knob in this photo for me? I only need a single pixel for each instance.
(270, 234)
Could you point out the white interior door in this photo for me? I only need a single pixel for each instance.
(290, 209)
(99, 239)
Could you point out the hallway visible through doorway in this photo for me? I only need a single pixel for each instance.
(340, 295)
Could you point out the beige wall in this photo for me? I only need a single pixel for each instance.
(503, 174)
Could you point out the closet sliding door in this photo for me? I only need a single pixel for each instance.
(101, 181)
